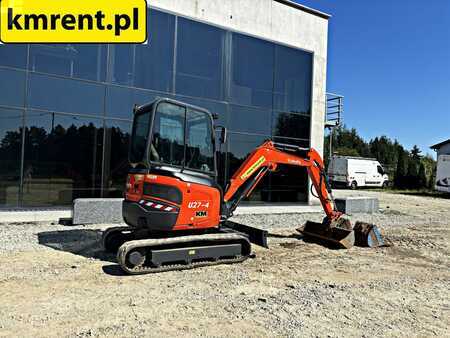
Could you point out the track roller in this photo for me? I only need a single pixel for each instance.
(180, 253)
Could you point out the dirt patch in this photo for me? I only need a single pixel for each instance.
(56, 281)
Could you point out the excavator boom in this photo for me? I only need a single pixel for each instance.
(266, 158)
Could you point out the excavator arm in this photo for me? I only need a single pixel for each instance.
(266, 158)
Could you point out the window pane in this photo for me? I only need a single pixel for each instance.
(147, 66)
(139, 140)
(293, 78)
(71, 60)
(291, 125)
(13, 56)
(63, 156)
(199, 59)
(239, 147)
(65, 95)
(120, 101)
(116, 157)
(289, 183)
(12, 87)
(11, 121)
(252, 120)
(252, 71)
(168, 135)
(293, 141)
(199, 147)
(213, 107)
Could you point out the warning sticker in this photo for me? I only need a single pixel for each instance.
(253, 168)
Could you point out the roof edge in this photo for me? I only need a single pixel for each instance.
(436, 146)
(303, 8)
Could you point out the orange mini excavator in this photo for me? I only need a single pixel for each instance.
(177, 214)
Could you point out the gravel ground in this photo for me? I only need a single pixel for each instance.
(56, 281)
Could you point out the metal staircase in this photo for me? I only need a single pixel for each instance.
(334, 109)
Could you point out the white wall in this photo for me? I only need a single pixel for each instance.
(444, 150)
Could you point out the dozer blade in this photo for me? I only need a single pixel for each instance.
(368, 235)
(336, 237)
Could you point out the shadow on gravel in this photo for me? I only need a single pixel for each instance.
(114, 270)
(86, 243)
(294, 236)
(302, 239)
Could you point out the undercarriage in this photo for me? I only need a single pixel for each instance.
(140, 251)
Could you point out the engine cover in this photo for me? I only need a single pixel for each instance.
(163, 203)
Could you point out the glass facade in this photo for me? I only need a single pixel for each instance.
(66, 109)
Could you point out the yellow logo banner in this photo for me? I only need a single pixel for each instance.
(73, 21)
(253, 168)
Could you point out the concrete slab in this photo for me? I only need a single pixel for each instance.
(109, 211)
(352, 205)
(97, 211)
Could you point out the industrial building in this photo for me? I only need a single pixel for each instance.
(66, 109)
(443, 166)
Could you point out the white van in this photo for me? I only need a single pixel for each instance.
(443, 174)
(356, 172)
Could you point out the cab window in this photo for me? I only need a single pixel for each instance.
(199, 145)
(141, 126)
(168, 135)
(182, 137)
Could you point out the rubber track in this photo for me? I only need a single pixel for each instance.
(128, 246)
(111, 230)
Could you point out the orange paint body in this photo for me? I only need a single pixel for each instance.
(200, 206)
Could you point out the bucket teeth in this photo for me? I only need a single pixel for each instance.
(341, 235)
(368, 235)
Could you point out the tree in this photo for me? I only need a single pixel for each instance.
(414, 161)
(400, 173)
(403, 166)
(412, 174)
(430, 170)
(415, 153)
(344, 151)
(422, 178)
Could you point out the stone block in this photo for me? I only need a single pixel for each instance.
(352, 205)
(97, 211)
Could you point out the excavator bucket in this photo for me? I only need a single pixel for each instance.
(368, 235)
(322, 233)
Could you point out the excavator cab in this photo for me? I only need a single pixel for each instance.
(172, 182)
(170, 134)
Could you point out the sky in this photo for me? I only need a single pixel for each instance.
(391, 61)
